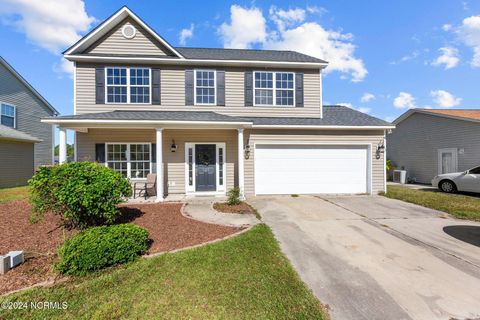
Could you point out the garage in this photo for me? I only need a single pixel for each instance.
(312, 169)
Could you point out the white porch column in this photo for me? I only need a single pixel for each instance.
(159, 165)
(62, 153)
(241, 169)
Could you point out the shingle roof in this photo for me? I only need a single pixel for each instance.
(157, 115)
(332, 116)
(7, 133)
(461, 113)
(245, 54)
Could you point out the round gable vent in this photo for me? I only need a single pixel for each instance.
(129, 31)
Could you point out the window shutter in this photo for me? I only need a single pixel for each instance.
(156, 86)
(189, 95)
(100, 152)
(299, 90)
(154, 153)
(248, 88)
(220, 88)
(100, 85)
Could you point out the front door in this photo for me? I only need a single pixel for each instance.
(205, 167)
(447, 160)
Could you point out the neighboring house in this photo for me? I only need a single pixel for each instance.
(25, 142)
(207, 120)
(428, 142)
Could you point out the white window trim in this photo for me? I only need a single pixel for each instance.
(14, 113)
(274, 88)
(128, 85)
(214, 87)
(129, 166)
(220, 189)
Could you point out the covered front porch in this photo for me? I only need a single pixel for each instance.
(190, 158)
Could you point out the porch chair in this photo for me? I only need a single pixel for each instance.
(149, 187)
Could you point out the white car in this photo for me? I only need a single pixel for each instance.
(468, 181)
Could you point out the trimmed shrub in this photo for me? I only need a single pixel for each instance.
(233, 196)
(100, 247)
(82, 193)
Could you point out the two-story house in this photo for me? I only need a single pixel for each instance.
(25, 142)
(206, 120)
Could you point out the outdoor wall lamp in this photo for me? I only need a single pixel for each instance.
(247, 151)
(380, 150)
(173, 147)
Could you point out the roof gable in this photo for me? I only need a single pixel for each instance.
(472, 115)
(143, 43)
(29, 87)
(110, 31)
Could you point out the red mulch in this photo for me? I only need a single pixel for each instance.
(242, 208)
(39, 241)
(168, 229)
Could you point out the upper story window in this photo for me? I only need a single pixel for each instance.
(274, 88)
(205, 87)
(128, 85)
(7, 115)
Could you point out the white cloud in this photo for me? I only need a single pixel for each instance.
(351, 106)
(445, 99)
(449, 58)
(447, 27)
(292, 31)
(367, 97)
(469, 33)
(49, 24)
(286, 18)
(186, 34)
(247, 26)
(404, 101)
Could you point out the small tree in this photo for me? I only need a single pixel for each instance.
(233, 196)
(82, 193)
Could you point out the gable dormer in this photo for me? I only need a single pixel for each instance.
(124, 33)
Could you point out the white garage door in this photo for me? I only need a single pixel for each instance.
(310, 169)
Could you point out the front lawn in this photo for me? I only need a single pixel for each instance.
(246, 277)
(460, 206)
(10, 194)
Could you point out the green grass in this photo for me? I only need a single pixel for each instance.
(460, 206)
(10, 194)
(246, 277)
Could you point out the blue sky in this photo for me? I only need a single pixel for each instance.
(394, 54)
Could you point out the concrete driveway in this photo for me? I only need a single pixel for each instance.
(370, 257)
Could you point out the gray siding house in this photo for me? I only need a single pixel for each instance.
(206, 120)
(25, 142)
(428, 142)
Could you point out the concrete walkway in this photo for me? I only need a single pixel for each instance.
(202, 210)
(377, 258)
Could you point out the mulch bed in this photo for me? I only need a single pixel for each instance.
(242, 208)
(168, 229)
(39, 242)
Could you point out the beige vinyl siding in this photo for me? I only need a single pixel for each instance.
(414, 144)
(115, 43)
(174, 162)
(29, 111)
(315, 137)
(16, 163)
(173, 95)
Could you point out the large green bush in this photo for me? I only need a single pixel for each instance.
(100, 247)
(82, 193)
